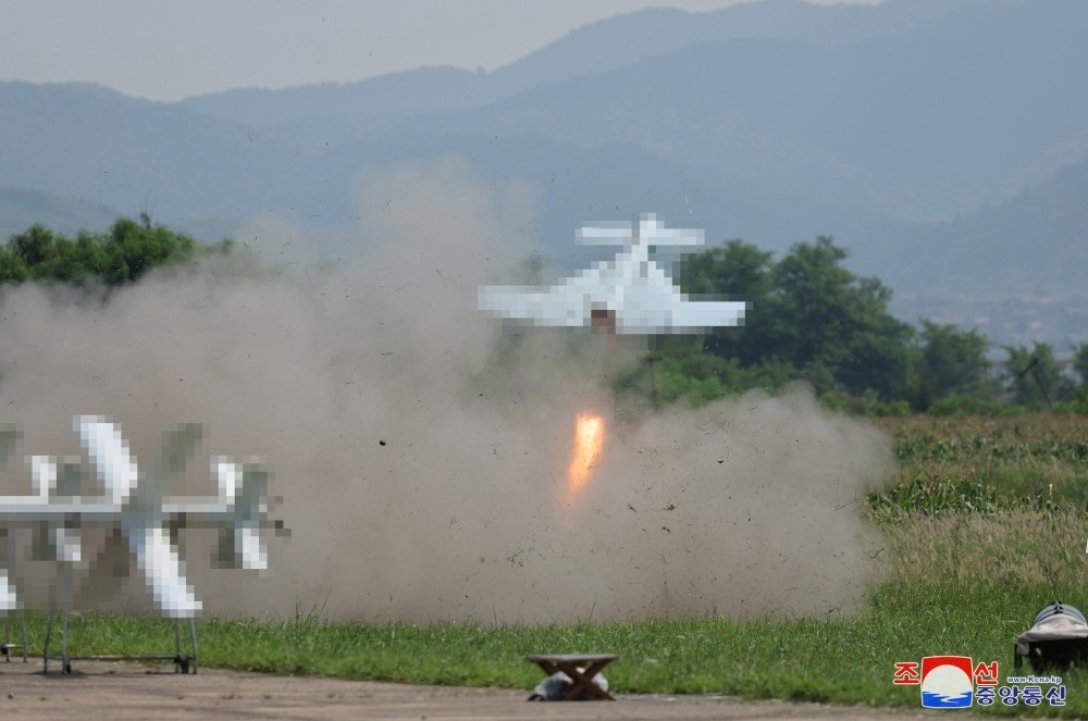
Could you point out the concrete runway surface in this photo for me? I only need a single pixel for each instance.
(122, 692)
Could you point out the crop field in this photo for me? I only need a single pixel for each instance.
(985, 523)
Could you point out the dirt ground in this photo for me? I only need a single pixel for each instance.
(121, 692)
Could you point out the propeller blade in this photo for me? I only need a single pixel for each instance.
(229, 475)
(254, 555)
(43, 471)
(110, 454)
(162, 569)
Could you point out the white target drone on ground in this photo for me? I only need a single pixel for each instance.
(144, 526)
(629, 294)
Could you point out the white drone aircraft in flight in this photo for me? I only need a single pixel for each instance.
(629, 294)
(134, 508)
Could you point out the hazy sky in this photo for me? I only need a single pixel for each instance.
(169, 50)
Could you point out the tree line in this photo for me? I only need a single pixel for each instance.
(809, 318)
(813, 319)
(121, 255)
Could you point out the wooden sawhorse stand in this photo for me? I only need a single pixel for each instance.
(581, 681)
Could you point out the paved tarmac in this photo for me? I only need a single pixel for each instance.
(121, 692)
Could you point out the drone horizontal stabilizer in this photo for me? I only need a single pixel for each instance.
(648, 230)
(605, 234)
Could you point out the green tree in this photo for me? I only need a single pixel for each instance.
(834, 326)
(1035, 376)
(808, 317)
(122, 255)
(736, 271)
(1080, 362)
(949, 362)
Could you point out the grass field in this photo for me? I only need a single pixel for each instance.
(994, 508)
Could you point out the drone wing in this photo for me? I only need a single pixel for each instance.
(653, 304)
(689, 314)
(556, 306)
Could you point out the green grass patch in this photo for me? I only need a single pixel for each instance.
(842, 661)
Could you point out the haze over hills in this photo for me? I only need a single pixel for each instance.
(943, 141)
(21, 208)
(1019, 266)
(597, 47)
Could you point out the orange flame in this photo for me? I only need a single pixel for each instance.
(588, 444)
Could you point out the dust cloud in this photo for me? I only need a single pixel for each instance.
(422, 456)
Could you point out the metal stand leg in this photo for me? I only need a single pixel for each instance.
(192, 632)
(67, 667)
(26, 639)
(49, 627)
(178, 665)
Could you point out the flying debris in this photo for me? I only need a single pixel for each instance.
(145, 525)
(629, 294)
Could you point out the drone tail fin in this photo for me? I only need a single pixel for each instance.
(240, 544)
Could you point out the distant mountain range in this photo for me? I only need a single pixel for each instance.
(1017, 270)
(943, 141)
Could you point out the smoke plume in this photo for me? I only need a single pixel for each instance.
(422, 457)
